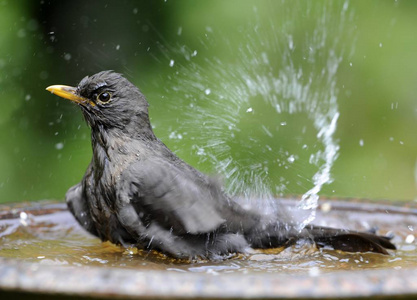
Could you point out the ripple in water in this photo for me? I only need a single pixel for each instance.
(56, 239)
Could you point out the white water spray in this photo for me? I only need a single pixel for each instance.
(266, 120)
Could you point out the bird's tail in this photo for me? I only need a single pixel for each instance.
(279, 235)
(349, 241)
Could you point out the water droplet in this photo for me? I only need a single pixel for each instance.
(207, 92)
(117, 47)
(410, 238)
(194, 53)
(179, 31)
(21, 33)
(361, 142)
(249, 110)
(24, 218)
(278, 108)
(291, 159)
(265, 58)
(201, 152)
(59, 146)
(27, 97)
(345, 6)
(290, 42)
(394, 105)
(175, 135)
(23, 215)
(67, 56)
(380, 45)
(171, 63)
(52, 36)
(350, 64)
(135, 11)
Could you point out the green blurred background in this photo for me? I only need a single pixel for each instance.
(188, 55)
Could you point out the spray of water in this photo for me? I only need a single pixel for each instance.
(265, 119)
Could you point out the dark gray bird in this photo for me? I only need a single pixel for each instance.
(137, 192)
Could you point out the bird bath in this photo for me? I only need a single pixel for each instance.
(43, 251)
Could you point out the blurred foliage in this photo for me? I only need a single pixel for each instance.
(174, 51)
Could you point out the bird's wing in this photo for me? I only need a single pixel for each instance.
(165, 193)
(77, 204)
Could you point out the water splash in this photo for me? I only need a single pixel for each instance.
(267, 123)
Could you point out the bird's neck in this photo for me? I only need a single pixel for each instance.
(109, 142)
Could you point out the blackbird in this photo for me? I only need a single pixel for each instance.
(136, 192)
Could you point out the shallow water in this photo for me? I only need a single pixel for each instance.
(56, 239)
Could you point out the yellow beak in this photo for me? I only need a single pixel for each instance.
(70, 93)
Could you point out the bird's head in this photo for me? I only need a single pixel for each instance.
(108, 100)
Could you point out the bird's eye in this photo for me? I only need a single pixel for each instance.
(104, 97)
